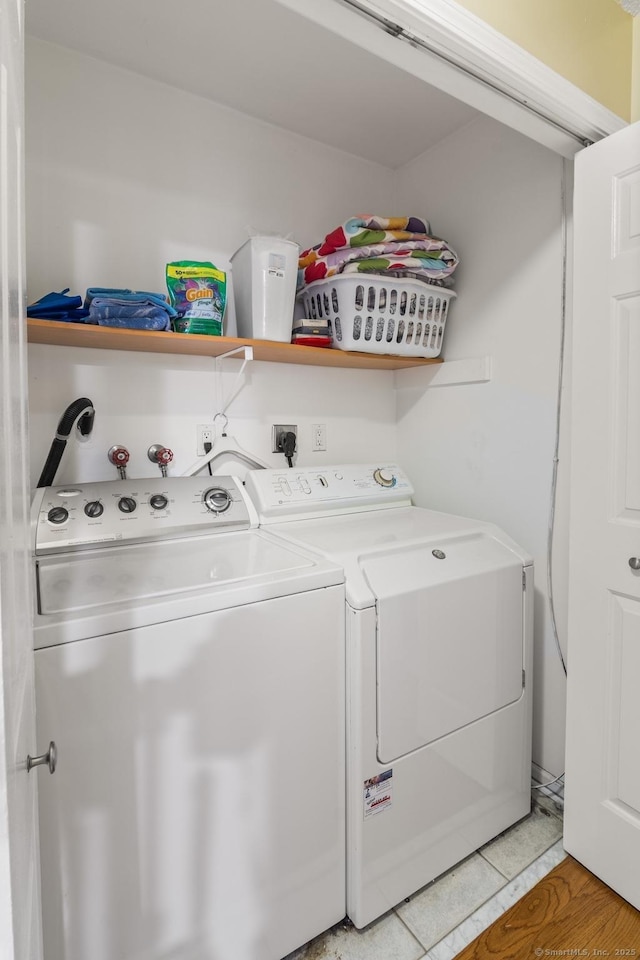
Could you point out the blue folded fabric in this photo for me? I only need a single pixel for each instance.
(67, 316)
(142, 315)
(58, 306)
(136, 323)
(128, 296)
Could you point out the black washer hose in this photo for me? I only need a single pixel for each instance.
(81, 410)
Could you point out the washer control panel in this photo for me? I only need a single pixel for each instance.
(299, 493)
(93, 514)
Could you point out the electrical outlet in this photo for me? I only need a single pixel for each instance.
(276, 432)
(204, 434)
(318, 436)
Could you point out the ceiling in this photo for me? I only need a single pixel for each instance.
(265, 60)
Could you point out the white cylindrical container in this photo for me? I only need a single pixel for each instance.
(265, 271)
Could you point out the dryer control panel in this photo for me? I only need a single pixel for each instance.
(83, 515)
(302, 493)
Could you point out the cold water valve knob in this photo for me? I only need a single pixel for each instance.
(160, 455)
(119, 457)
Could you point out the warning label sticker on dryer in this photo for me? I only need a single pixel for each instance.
(378, 793)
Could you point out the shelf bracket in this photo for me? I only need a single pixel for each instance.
(247, 351)
(245, 348)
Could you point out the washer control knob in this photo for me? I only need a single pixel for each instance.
(158, 501)
(217, 499)
(384, 477)
(94, 509)
(58, 515)
(127, 504)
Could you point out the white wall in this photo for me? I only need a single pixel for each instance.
(486, 450)
(125, 174)
(148, 398)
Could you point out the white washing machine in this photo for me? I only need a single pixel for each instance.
(439, 615)
(190, 669)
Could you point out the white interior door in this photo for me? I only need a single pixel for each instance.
(602, 815)
(19, 870)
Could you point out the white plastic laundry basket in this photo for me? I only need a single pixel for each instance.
(371, 314)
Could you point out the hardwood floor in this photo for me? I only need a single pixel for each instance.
(570, 913)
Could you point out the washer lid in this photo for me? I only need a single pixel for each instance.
(449, 638)
(116, 588)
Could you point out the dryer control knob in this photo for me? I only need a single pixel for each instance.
(384, 477)
(217, 499)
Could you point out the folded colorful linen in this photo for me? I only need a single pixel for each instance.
(377, 244)
(364, 230)
(446, 282)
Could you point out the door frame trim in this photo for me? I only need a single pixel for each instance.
(453, 50)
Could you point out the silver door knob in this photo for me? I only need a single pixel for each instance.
(50, 758)
(634, 563)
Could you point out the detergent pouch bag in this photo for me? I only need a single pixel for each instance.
(198, 291)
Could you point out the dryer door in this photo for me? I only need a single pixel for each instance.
(449, 638)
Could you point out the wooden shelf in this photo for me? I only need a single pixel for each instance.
(152, 341)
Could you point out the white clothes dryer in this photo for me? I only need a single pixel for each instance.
(190, 669)
(438, 621)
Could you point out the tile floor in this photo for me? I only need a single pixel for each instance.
(442, 918)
